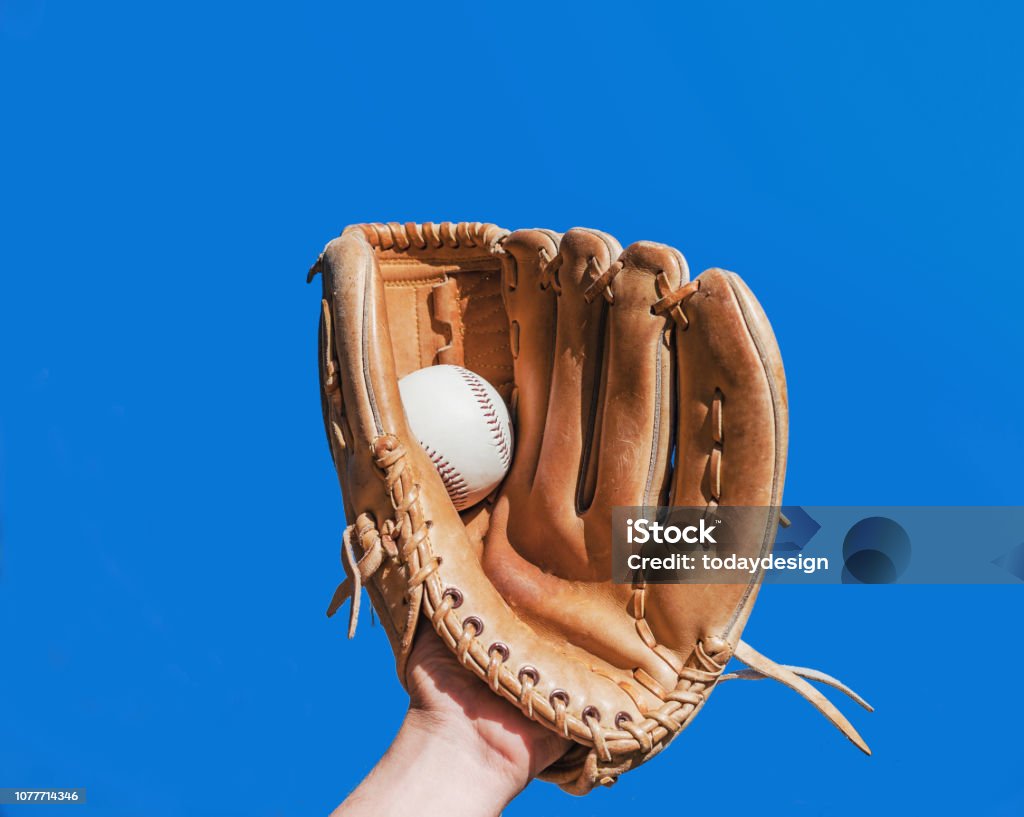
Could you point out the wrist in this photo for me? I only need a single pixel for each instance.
(464, 761)
(438, 766)
(461, 750)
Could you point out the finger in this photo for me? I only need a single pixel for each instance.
(531, 314)
(632, 454)
(731, 449)
(732, 398)
(573, 409)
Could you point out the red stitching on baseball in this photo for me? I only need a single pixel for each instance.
(454, 482)
(490, 412)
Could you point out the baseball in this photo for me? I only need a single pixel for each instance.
(463, 425)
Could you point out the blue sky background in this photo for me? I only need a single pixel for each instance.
(170, 516)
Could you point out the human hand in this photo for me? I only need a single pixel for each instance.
(461, 750)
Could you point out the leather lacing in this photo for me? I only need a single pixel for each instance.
(446, 235)
(414, 556)
(452, 235)
(549, 267)
(358, 572)
(601, 282)
(672, 300)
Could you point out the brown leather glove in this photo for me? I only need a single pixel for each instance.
(610, 360)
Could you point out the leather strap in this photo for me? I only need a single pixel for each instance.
(766, 668)
(357, 573)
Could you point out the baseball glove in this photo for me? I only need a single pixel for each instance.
(630, 385)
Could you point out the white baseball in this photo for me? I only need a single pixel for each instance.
(463, 425)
